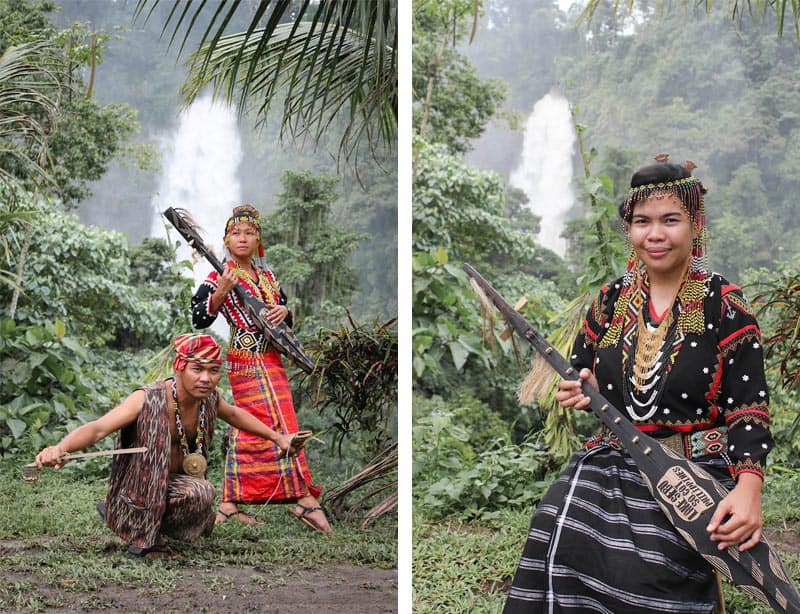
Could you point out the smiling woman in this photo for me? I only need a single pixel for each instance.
(678, 348)
(661, 233)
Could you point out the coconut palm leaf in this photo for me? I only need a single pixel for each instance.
(30, 91)
(15, 214)
(29, 98)
(326, 59)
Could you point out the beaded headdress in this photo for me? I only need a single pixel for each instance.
(664, 177)
(195, 348)
(248, 214)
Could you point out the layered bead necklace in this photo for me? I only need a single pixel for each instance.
(194, 463)
(268, 287)
(648, 357)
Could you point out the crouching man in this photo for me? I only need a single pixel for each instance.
(163, 491)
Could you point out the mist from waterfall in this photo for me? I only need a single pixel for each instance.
(544, 171)
(200, 163)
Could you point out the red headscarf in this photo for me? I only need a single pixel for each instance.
(195, 348)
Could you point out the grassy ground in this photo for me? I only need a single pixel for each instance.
(467, 567)
(55, 552)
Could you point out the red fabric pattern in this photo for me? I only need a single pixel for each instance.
(254, 473)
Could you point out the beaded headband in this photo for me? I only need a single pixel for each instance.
(688, 189)
(243, 213)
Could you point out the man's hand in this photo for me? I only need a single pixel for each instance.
(284, 442)
(51, 457)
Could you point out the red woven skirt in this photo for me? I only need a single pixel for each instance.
(254, 472)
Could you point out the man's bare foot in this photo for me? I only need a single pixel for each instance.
(158, 551)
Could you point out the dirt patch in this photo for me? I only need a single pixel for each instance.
(786, 539)
(334, 587)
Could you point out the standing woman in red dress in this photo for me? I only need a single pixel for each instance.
(255, 472)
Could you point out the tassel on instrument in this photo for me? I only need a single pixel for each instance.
(487, 313)
(190, 221)
(195, 227)
(538, 383)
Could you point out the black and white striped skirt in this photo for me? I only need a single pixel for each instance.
(599, 542)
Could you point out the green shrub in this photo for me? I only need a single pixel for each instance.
(441, 448)
(43, 389)
(511, 476)
(465, 464)
(484, 427)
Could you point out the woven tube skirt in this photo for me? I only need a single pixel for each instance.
(599, 542)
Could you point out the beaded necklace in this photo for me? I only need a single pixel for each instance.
(265, 283)
(194, 463)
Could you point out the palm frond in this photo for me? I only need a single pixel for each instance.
(30, 93)
(326, 60)
(27, 81)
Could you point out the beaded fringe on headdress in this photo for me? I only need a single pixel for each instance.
(691, 318)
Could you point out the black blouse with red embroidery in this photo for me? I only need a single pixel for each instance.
(711, 380)
(244, 334)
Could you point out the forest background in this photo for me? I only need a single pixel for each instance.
(698, 85)
(93, 287)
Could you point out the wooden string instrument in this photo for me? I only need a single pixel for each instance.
(687, 494)
(282, 337)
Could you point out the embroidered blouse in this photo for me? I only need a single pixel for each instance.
(708, 381)
(244, 334)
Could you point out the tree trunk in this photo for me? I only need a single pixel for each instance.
(20, 268)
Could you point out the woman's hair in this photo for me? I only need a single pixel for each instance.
(663, 177)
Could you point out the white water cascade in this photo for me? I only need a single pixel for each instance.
(200, 162)
(544, 171)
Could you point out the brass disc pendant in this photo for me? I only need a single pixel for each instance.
(194, 464)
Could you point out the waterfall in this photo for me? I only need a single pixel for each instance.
(544, 172)
(201, 159)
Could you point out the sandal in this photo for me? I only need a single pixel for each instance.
(310, 522)
(228, 515)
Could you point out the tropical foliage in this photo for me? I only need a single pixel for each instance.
(319, 58)
(63, 137)
(30, 76)
(355, 378)
(781, 11)
(482, 457)
(779, 301)
(311, 249)
(42, 386)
